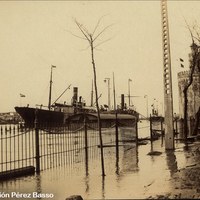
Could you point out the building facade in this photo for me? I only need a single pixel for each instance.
(193, 93)
(194, 89)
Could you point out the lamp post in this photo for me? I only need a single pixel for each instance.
(129, 92)
(155, 106)
(146, 97)
(162, 109)
(108, 80)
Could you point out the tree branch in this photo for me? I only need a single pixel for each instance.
(98, 24)
(102, 42)
(189, 30)
(81, 27)
(75, 35)
(102, 31)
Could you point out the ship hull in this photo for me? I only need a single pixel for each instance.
(43, 116)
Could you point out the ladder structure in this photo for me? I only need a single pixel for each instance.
(168, 96)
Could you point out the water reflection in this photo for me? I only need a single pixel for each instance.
(38, 184)
(82, 175)
(130, 159)
(87, 185)
(103, 187)
(171, 162)
(86, 162)
(117, 161)
(86, 171)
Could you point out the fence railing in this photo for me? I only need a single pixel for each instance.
(17, 147)
(45, 147)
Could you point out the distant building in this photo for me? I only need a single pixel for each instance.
(9, 117)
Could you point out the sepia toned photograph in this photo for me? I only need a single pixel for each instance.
(99, 99)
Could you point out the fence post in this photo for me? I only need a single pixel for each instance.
(116, 133)
(86, 145)
(162, 131)
(85, 128)
(150, 119)
(37, 144)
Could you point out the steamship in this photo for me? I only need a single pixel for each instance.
(56, 113)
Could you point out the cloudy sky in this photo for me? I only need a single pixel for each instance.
(36, 35)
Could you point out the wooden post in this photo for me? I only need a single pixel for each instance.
(116, 132)
(86, 145)
(116, 119)
(176, 127)
(162, 131)
(37, 144)
(150, 119)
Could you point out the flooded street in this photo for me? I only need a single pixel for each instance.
(133, 175)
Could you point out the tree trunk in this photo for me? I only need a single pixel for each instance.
(97, 105)
(185, 113)
(197, 122)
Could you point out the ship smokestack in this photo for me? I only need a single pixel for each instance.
(80, 99)
(122, 102)
(75, 96)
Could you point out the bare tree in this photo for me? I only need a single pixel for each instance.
(91, 38)
(194, 65)
(197, 65)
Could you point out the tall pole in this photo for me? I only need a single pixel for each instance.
(146, 96)
(108, 80)
(116, 120)
(167, 77)
(50, 87)
(129, 92)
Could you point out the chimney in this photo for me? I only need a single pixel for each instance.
(122, 101)
(75, 96)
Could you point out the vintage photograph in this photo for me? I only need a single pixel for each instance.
(100, 99)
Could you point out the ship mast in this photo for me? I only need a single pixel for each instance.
(50, 87)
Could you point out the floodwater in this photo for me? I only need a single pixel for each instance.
(131, 175)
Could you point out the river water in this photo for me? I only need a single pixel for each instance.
(131, 175)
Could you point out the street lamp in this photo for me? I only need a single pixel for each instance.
(108, 80)
(129, 93)
(155, 106)
(146, 96)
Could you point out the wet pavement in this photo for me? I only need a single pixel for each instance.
(132, 175)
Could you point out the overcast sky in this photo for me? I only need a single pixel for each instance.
(36, 35)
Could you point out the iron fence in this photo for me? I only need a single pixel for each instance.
(47, 146)
(17, 147)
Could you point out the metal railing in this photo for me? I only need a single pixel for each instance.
(48, 146)
(17, 147)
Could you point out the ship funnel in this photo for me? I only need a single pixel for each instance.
(75, 96)
(122, 102)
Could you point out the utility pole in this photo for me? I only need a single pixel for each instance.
(168, 96)
(108, 80)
